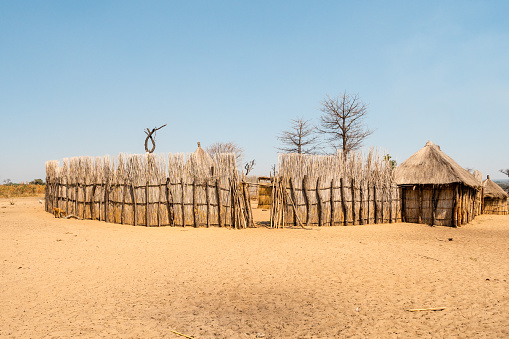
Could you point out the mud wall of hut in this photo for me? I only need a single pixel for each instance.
(150, 190)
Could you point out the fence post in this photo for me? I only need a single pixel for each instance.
(293, 197)
(196, 217)
(306, 198)
(219, 203)
(207, 197)
(169, 204)
(133, 196)
(375, 204)
(183, 206)
(343, 203)
(319, 203)
(354, 215)
(147, 212)
(361, 203)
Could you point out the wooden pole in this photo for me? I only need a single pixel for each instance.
(147, 206)
(207, 197)
(332, 203)
(247, 200)
(306, 199)
(122, 213)
(419, 211)
(107, 201)
(343, 202)
(352, 188)
(294, 201)
(183, 206)
(196, 220)
(219, 203)
(375, 204)
(361, 204)
(390, 205)
(319, 205)
(159, 205)
(169, 204)
(133, 196)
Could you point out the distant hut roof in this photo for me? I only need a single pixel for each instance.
(492, 190)
(431, 166)
(202, 156)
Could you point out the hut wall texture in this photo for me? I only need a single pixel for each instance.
(441, 205)
(495, 206)
(150, 190)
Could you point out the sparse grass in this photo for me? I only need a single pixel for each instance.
(21, 190)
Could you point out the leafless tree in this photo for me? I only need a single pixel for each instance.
(505, 171)
(342, 124)
(226, 147)
(301, 138)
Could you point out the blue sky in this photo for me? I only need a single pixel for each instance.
(87, 78)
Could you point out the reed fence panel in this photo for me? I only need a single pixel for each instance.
(150, 190)
(334, 190)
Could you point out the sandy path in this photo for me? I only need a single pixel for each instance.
(68, 278)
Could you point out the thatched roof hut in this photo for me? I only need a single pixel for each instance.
(436, 190)
(494, 198)
(201, 162)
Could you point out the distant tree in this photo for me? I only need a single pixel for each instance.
(391, 161)
(7, 182)
(301, 138)
(341, 122)
(249, 166)
(37, 182)
(505, 171)
(226, 147)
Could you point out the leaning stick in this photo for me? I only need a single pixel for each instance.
(183, 335)
(427, 309)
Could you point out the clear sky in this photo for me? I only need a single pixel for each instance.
(88, 77)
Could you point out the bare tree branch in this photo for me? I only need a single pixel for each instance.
(301, 138)
(226, 147)
(341, 122)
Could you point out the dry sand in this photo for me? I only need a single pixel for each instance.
(70, 278)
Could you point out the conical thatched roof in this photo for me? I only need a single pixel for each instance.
(203, 156)
(431, 166)
(492, 190)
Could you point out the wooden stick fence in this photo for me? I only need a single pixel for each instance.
(332, 190)
(151, 190)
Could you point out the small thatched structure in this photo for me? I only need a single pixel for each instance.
(435, 190)
(494, 199)
(201, 161)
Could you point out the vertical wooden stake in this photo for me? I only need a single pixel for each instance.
(292, 196)
(169, 204)
(332, 205)
(306, 198)
(375, 204)
(343, 202)
(147, 206)
(319, 205)
(196, 217)
(183, 206)
(133, 196)
(207, 196)
(107, 201)
(219, 203)
(122, 213)
(361, 204)
(354, 215)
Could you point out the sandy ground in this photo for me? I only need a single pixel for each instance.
(69, 278)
